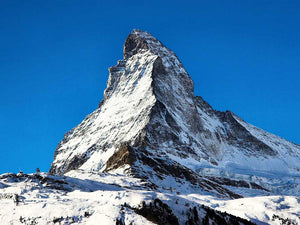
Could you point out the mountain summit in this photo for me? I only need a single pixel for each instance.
(150, 125)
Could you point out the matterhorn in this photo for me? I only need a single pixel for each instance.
(155, 153)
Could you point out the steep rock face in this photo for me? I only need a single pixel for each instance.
(151, 125)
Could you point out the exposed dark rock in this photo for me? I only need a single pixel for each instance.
(124, 156)
(236, 183)
(160, 213)
(238, 135)
(283, 221)
(164, 168)
(133, 44)
(215, 217)
(157, 212)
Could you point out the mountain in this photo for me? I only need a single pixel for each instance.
(150, 125)
(154, 153)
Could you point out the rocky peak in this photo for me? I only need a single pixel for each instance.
(150, 122)
(139, 41)
(143, 52)
(135, 42)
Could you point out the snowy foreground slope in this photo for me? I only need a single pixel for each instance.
(116, 199)
(154, 153)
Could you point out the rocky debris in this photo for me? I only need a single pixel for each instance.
(15, 197)
(283, 221)
(42, 180)
(55, 220)
(29, 220)
(236, 183)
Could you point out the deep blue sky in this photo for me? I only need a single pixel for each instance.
(243, 56)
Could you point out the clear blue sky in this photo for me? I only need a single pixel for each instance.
(243, 56)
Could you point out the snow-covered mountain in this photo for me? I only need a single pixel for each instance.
(154, 153)
(152, 126)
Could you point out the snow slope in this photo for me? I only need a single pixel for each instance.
(112, 198)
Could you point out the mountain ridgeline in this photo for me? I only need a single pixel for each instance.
(151, 126)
